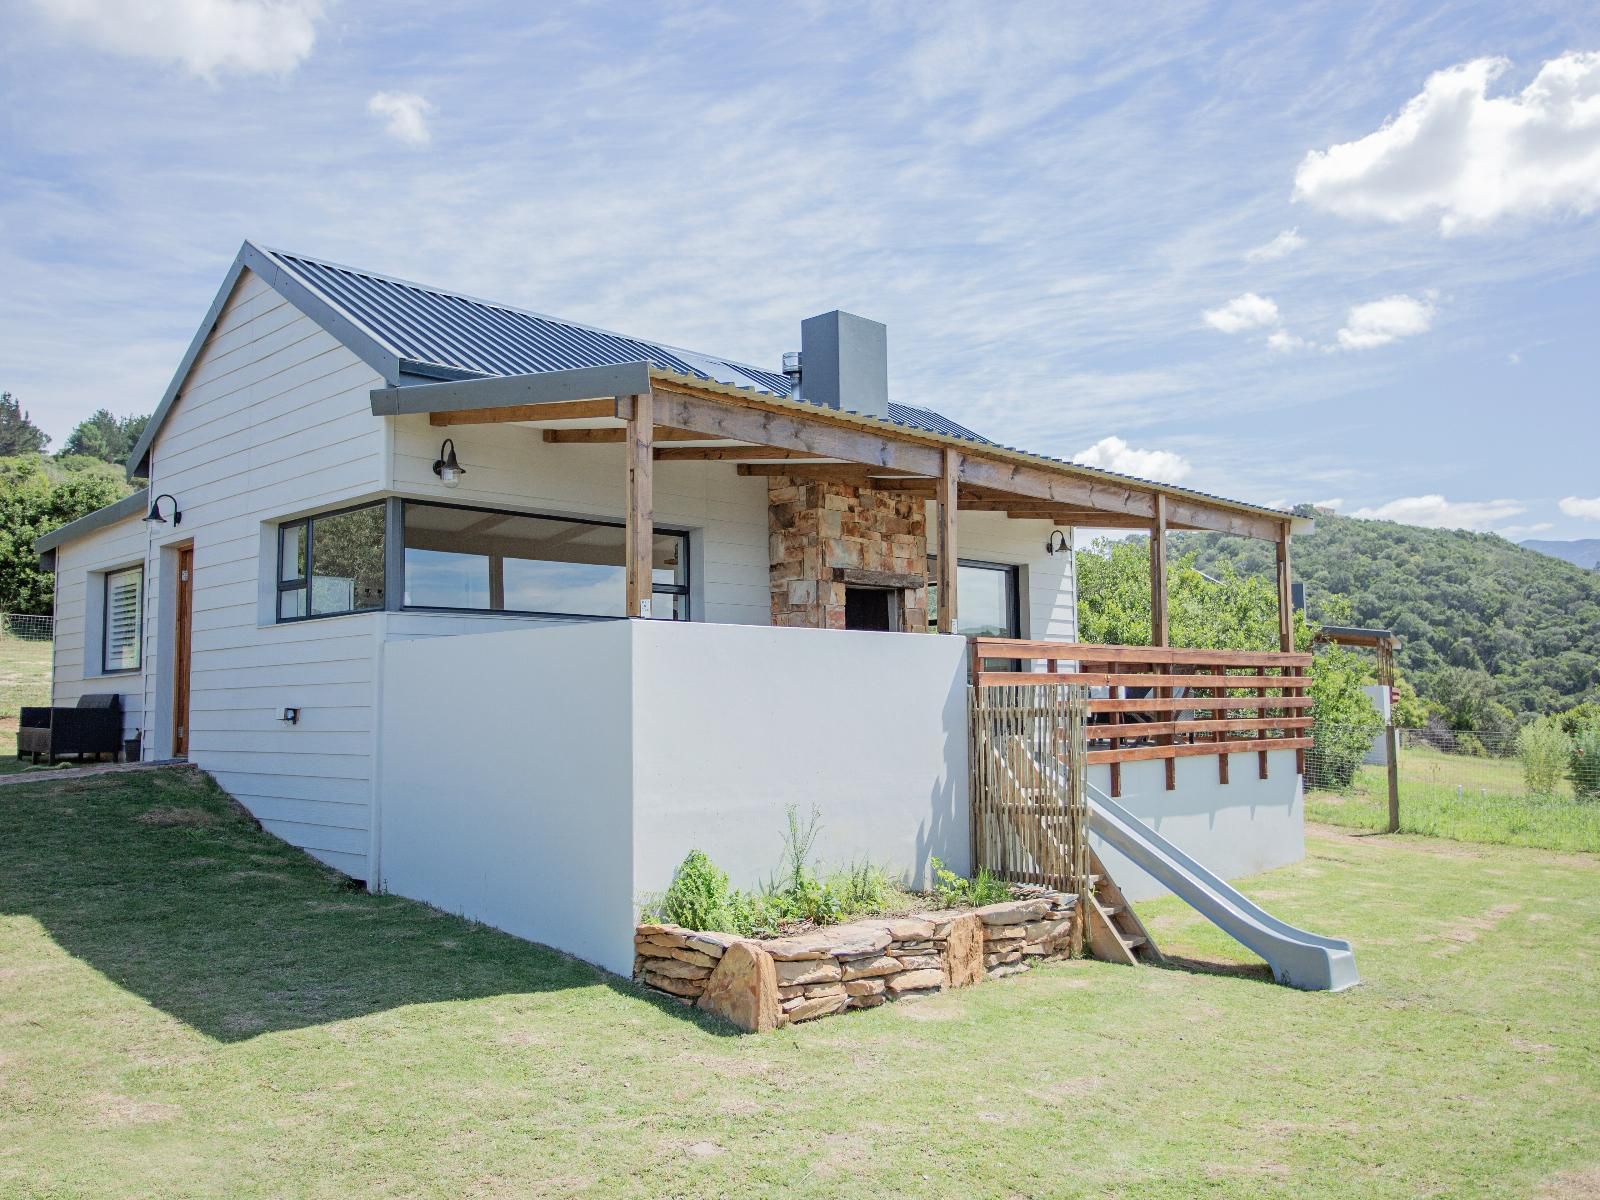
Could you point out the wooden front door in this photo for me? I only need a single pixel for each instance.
(180, 656)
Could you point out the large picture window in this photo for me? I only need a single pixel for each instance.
(331, 563)
(124, 620)
(489, 561)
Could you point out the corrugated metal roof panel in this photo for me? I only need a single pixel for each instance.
(451, 333)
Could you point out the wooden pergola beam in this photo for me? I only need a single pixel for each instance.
(727, 453)
(555, 410)
(615, 437)
(841, 472)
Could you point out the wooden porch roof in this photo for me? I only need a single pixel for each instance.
(761, 434)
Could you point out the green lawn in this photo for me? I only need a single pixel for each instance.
(189, 1007)
(1462, 797)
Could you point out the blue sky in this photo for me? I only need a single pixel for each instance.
(1283, 253)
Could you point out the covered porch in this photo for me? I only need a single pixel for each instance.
(862, 509)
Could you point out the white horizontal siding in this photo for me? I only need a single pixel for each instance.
(1048, 583)
(80, 565)
(273, 420)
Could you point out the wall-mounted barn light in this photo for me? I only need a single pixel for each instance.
(1057, 541)
(446, 467)
(155, 510)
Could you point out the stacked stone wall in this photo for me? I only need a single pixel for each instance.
(762, 984)
(818, 529)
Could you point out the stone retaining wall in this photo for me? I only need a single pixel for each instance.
(762, 983)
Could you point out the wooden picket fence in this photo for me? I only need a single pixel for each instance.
(1030, 813)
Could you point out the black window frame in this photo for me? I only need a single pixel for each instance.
(105, 621)
(1013, 574)
(308, 524)
(683, 589)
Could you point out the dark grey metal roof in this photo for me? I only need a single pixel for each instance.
(407, 332)
(434, 332)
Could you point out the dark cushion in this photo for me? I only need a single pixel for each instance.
(100, 700)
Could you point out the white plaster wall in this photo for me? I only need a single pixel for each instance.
(81, 565)
(732, 724)
(547, 779)
(1240, 828)
(507, 780)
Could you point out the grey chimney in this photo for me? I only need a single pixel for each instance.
(844, 361)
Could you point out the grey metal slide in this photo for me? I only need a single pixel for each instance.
(1297, 958)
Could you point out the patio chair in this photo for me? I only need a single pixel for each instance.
(93, 727)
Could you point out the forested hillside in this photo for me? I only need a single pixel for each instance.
(1484, 621)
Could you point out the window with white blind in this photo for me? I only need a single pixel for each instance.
(124, 619)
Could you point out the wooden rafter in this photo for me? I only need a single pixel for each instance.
(557, 410)
(727, 453)
(615, 437)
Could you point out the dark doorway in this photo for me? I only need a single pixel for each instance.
(868, 608)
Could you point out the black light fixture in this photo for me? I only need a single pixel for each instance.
(155, 510)
(1057, 541)
(446, 467)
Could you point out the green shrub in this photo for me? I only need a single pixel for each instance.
(1544, 751)
(700, 897)
(953, 891)
(1345, 720)
(1584, 764)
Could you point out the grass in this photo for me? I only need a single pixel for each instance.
(190, 1008)
(1465, 798)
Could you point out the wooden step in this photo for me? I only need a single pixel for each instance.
(1132, 940)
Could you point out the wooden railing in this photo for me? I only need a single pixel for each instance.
(1149, 702)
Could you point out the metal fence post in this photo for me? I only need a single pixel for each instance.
(1391, 744)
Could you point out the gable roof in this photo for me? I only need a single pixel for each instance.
(409, 334)
(401, 328)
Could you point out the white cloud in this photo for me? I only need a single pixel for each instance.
(1114, 454)
(1285, 243)
(1458, 155)
(1514, 359)
(1577, 506)
(1336, 502)
(1435, 512)
(1248, 311)
(1380, 322)
(206, 36)
(1517, 532)
(406, 114)
(1284, 342)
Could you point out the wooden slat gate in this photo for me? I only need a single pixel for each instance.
(1030, 813)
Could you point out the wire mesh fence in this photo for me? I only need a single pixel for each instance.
(26, 627)
(25, 658)
(1476, 786)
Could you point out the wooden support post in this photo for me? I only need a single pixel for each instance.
(947, 500)
(639, 530)
(1391, 745)
(1286, 619)
(1159, 629)
(1158, 574)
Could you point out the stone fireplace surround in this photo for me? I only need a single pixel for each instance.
(825, 536)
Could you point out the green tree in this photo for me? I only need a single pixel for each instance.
(33, 501)
(18, 433)
(1228, 612)
(105, 436)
